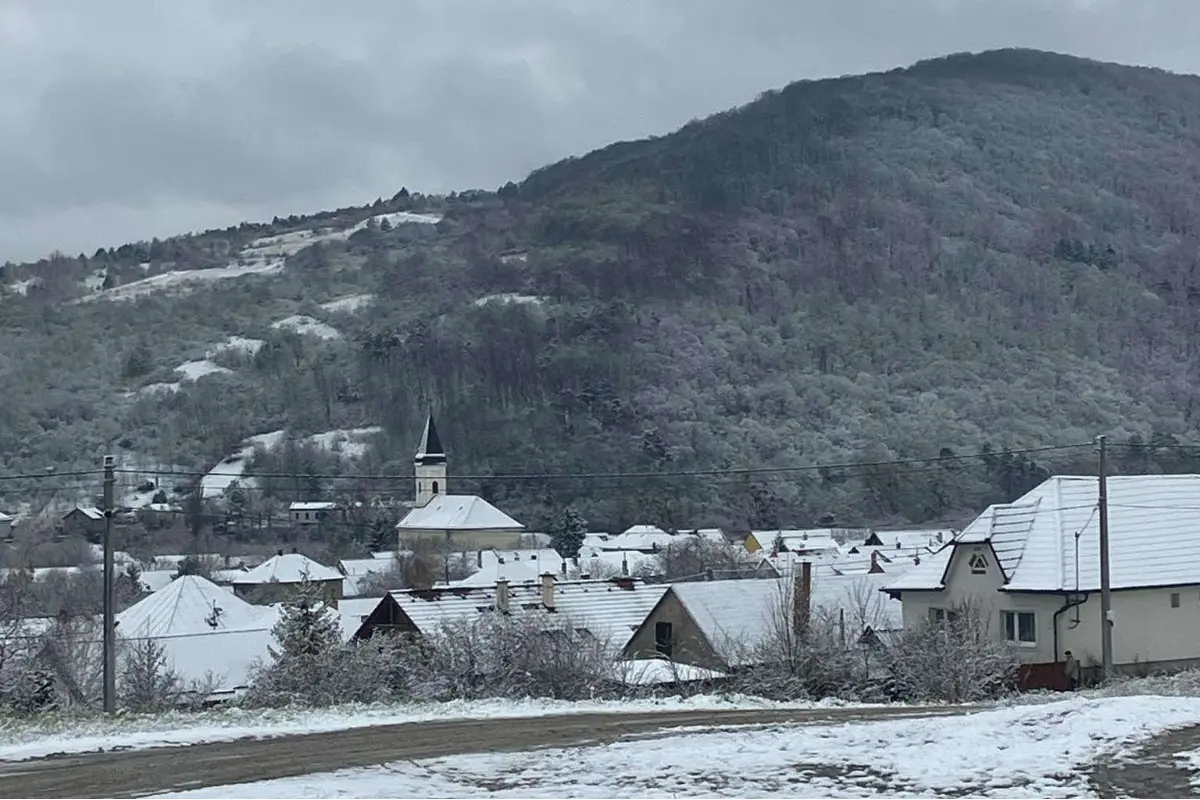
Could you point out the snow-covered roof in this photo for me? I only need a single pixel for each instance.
(544, 558)
(458, 512)
(737, 615)
(353, 612)
(91, 512)
(1153, 534)
(511, 571)
(189, 605)
(313, 506)
(612, 611)
(155, 579)
(639, 537)
(288, 568)
(618, 562)
(815, 540)
(927, 540)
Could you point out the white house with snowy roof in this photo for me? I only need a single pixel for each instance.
(456, 522)
(1034, 566)
(209, 637)
(280, 577)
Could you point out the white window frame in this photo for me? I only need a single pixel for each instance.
(942, 616)
(1010, 627)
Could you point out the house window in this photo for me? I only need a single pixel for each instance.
(306, 515)
(940, 616)
(978, 564)
(435, 487)
(1019, 627)
(663, 637)
(1174, 599)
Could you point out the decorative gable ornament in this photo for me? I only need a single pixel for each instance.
(978, 563)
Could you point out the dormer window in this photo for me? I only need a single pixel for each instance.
(978, 564)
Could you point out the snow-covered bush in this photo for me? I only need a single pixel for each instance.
(500, 656)
(956, 661)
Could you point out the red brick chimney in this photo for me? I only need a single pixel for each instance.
(802, 598)
(548, 591)
(875, 568)
(501, 601)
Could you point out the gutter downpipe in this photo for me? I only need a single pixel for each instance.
(1067, 607)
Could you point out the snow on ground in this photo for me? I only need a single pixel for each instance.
(21, 287)
(183, 280)
(399, 218)
(508, 298)
(160, 388)
(233, 466)
(348, 442)
(1026, 751)
(348, 304)
(20, 740)
(308, 325)
(236, 344)
(195, 370)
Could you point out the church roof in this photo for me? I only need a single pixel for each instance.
(430, 451)
(458, 512)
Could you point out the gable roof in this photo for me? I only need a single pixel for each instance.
(1153, 536)
(611, 611)
(320, 505)
(458, 512)
(430, 450)
(91, 512)
(287, 568)
(190, 605)
(737, 615)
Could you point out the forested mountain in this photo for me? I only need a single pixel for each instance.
(976, 253)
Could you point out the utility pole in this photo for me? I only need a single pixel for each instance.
(110, 643)
(1106, 648)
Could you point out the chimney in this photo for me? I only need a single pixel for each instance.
(279, 552)
(875, 568)
(802, 598)
(624, 564)
(501, 601)
(548, 591)
(479, 559)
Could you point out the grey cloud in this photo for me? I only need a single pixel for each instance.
(135, 119)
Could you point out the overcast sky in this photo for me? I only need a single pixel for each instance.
(122, 119)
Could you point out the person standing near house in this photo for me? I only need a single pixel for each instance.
(1071, 667)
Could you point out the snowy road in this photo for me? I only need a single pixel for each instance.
(144, 772)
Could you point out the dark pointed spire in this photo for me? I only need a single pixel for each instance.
(430, 450)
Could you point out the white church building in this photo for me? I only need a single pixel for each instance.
(457, 522)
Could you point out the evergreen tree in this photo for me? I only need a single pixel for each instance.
(306, 658)
(147, 682)
(567, 531)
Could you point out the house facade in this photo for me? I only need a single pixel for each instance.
(315, 513)
(453, 523)
(1031, 570)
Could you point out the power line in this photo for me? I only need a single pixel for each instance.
(729, 472)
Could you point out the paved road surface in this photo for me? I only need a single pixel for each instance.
(1150, 770)
(135, 773)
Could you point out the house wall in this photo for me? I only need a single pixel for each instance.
(689, 646)
(463, 541)
(269, 593)
(1146, 629)
(984, 592)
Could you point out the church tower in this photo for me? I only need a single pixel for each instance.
(429, 466)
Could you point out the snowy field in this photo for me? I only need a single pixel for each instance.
(57, 735)
(1026, 751)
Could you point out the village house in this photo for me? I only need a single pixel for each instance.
(454, 522)
(611, 611)
(315, 513)
(209, 637)
(1032, 568)
(815, 542)
(281, 577)
(724, 625)
(85, 521)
